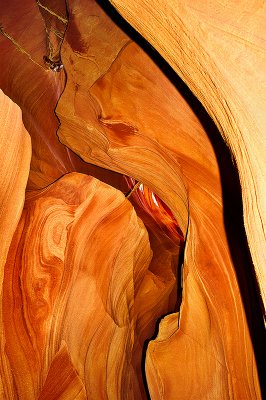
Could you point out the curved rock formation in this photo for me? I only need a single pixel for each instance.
(218, 49)
(85, 281)
(79, 266)
(15, 150)
(27, 79)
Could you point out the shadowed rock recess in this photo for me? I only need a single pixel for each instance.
(132, 200)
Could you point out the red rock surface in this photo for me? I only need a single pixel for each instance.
(89, 269)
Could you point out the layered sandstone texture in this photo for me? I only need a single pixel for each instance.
(130, 269)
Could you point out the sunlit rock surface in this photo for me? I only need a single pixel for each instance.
(218, 49)
(85, 299)
(89, 275)
(15, 148)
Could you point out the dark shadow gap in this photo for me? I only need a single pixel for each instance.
(144, 352)
(172, 241)
(232, 200)
(143, 361)
(157, 324)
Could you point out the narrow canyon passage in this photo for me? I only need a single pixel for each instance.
(125, 272)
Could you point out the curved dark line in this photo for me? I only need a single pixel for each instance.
(232, 201)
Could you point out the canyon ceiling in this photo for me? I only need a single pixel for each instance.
(133, 200)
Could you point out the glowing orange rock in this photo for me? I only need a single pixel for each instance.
(15, 150)
(78, 292)
(130, 118)
(27, 79)
(71, 297)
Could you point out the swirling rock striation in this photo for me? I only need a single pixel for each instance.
(30, 82)
(84, 280)
(79, 268)
(125, 120)
(15, 150)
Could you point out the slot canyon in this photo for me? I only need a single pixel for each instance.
(133, 200)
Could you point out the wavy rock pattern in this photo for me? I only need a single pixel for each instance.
(15, 150)
(85, 275)
(218, 49)
(128, 122)
(79, 265)
(29, 82)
